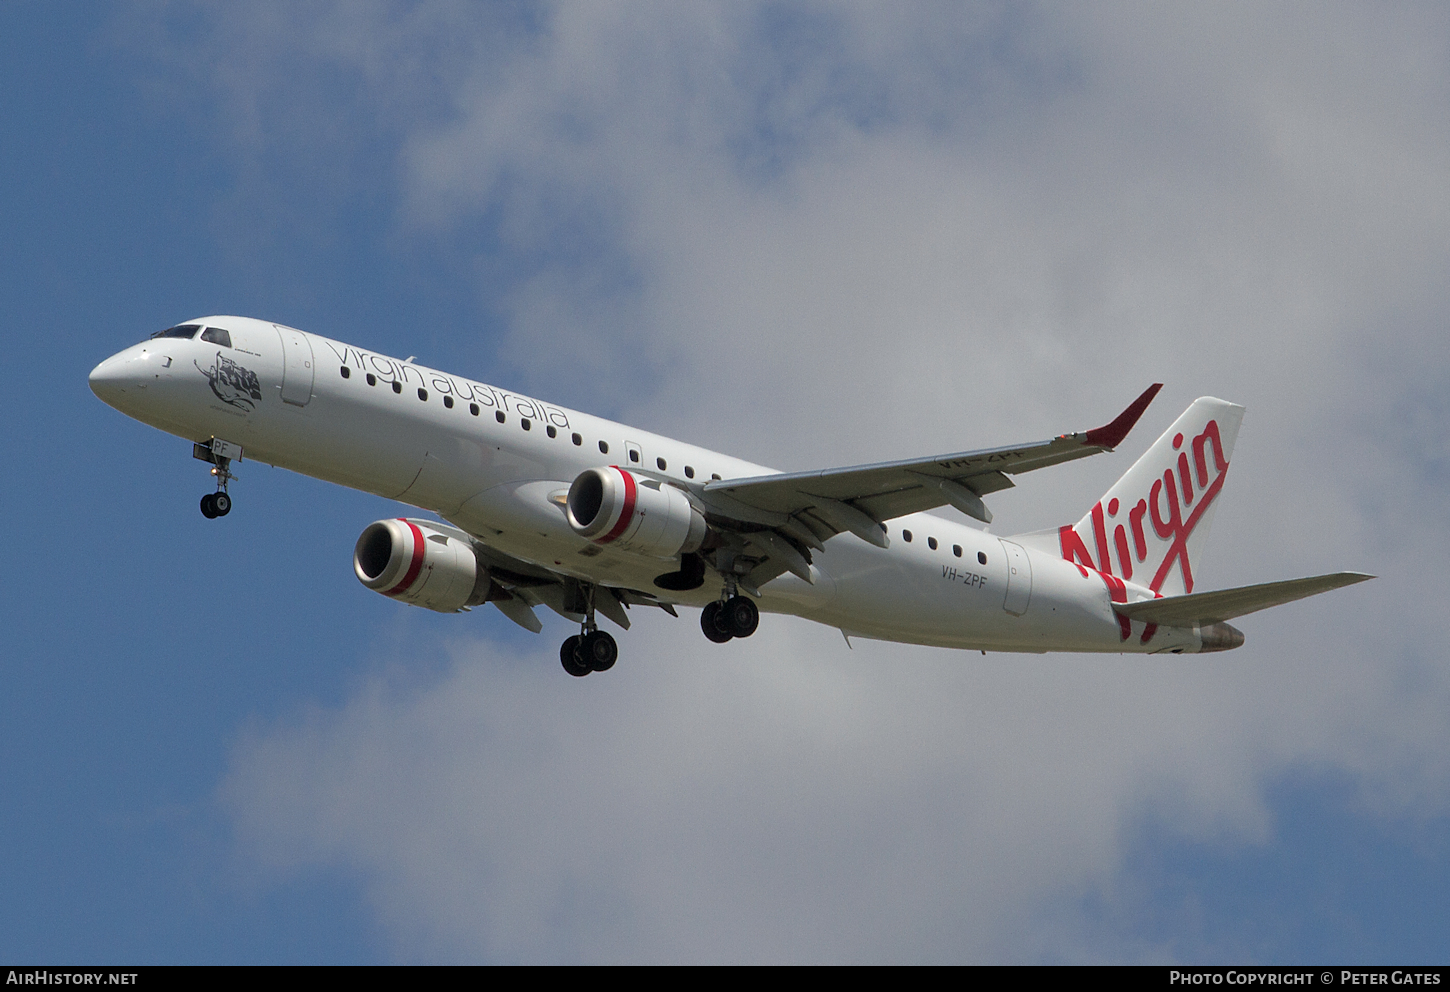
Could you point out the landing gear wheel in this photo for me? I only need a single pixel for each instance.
(740, 616)
(710, 623)
(572, 659)
(221, 503)
(208, 506)
(598, 651)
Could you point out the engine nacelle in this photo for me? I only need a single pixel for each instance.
(419, 565)
(634, 513)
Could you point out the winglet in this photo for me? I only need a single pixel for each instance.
(1112, 435)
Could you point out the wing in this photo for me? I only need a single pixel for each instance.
(1204, 608)
(859, 498)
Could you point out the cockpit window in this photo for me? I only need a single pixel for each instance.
(217, 335)
(179, 331)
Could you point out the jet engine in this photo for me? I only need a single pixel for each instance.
(420, 565)
(634, 513)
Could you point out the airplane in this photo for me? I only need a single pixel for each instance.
(539, 505)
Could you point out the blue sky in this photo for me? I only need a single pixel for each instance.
(809, 234)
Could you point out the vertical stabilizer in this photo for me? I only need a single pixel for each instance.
(1150, 528)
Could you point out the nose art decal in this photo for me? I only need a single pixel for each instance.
(233, 385)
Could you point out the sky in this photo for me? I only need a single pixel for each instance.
(807, 234)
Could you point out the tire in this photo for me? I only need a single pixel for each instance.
(570, 658)
(208, 509)
(599, 651)
(710, 623)
(221, 503)
(740, 616)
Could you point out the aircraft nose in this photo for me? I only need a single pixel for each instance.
(128, 371)
(109, 379)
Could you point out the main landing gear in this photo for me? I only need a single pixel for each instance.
(590, 650)
(220, 454)
(737, 616)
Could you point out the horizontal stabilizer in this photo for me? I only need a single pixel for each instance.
(1205, 608)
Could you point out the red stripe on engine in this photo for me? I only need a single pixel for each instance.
(415, 566)
(627, 514)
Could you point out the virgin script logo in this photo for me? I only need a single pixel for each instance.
(232, 384)
(1172, 506)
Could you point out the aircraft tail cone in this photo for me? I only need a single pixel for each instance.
(1220, 637)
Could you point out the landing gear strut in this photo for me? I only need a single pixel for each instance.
(590, 650)
(220, 453)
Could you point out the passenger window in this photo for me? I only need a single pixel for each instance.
(957, 550)
(498, 415)
(603, 448)
(524, 421)
(551, 431)
(577, 440)
(931, 543)
(448, 402)
(689, 472)
(633, 455)
(906, 536)
(981, 558)
(473, 409)
(423, 395)
(715, 476)
(217, 336)
(661, 463)
(345, 372)
(372, 379)
(397, 387)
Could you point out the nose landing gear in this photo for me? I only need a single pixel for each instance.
(220, 454)
(215, 505)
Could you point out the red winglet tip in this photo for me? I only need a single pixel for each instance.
(1112, 435)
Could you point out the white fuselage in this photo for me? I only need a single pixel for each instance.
(497, 464)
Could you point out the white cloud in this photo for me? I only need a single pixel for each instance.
(783, 799)
(825, 234)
